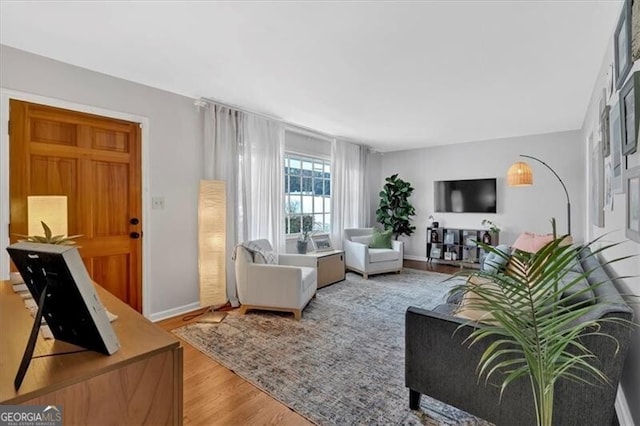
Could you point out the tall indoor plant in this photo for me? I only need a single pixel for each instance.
(536, 321)
(395, 211)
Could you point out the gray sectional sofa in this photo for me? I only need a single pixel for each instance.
(440, 365)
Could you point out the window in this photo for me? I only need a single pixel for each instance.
(307, 192)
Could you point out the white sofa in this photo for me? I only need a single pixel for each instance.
(270, 281)
(367, 261)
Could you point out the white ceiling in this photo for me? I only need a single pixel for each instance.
(396, 75)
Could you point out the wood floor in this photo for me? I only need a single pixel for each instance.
(214, 395)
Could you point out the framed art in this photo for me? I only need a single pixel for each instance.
(322, 243)
(622, 45)
(635, 30)
(597, 184)
(615, 138)
(630, 113)
(604, 124)
(632, 178)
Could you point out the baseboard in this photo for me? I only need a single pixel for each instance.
(622, 409)
(417, 258)
(158, 316)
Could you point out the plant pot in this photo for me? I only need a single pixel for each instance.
(302, 247)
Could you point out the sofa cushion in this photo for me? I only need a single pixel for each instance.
(471, 304)
(261, 251)
(382, 255)
(381, 239)
(494, 262)
(363, 239)
(531, 242)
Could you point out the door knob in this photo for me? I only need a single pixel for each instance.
(134, 221)
(135, 235)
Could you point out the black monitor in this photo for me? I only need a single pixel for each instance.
(59, 283)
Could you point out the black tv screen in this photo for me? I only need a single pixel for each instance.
(465, 196)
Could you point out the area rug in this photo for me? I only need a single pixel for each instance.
(343, 363)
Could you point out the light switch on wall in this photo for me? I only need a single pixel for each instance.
(157, 203)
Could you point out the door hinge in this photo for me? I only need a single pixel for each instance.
(8, 127)
(140, 125)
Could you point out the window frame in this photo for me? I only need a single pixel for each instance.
(325, 210)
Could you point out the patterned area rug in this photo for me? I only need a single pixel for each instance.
(343, 363)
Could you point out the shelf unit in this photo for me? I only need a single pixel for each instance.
(458, 245)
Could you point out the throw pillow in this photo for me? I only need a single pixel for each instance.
(260, 255)
(363, 239)
(494, 262)
(471, 306)
(531, 243)
(381, 239)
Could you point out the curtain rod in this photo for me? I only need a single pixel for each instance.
(307, 131)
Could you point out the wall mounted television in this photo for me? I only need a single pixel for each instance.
(465, 196)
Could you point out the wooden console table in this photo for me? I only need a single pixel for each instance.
(139, 384)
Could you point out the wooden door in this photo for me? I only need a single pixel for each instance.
(95, 162)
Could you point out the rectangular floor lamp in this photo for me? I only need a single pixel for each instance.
(212, 211)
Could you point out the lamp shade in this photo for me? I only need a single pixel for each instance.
(50, 209)
(520, 174)
(212, 211)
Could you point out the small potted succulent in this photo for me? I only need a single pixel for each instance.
(49, 238)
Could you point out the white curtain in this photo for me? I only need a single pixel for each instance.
(262, 176)
(221, 163)
(350, 189)
(247, 153)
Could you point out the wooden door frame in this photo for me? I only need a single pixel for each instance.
(5, 96)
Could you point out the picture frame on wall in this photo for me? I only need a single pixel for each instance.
(604, 124)
(635, 30)
(632, 179)
(630, 113)
(597, 184)
(622, 45)
(615, 138)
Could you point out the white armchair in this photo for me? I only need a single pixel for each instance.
(367, 261)
(270, 281)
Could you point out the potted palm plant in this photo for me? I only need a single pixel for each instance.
(536, 320)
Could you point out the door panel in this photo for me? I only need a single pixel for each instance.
(95, 162)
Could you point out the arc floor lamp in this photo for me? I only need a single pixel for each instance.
(520, 174)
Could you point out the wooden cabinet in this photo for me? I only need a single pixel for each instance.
(458, 245)
(139, 384)
(331, 267)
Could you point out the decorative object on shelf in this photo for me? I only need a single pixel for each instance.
(630, 113)
(622, 45)
(435, 253)
(212, 244)
(454, 255)
(486, 238)
(616, 148)
(632, 230)
(321, 243)
(449, 237)
(492, 226)
(447, 255)
(434, 236)
(604, 124)
(395, 211)
(520, 174)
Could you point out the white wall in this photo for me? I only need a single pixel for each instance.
(519, 209)
(175, 165)
(613, 231)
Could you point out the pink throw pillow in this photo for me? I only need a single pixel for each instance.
(531, 243)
